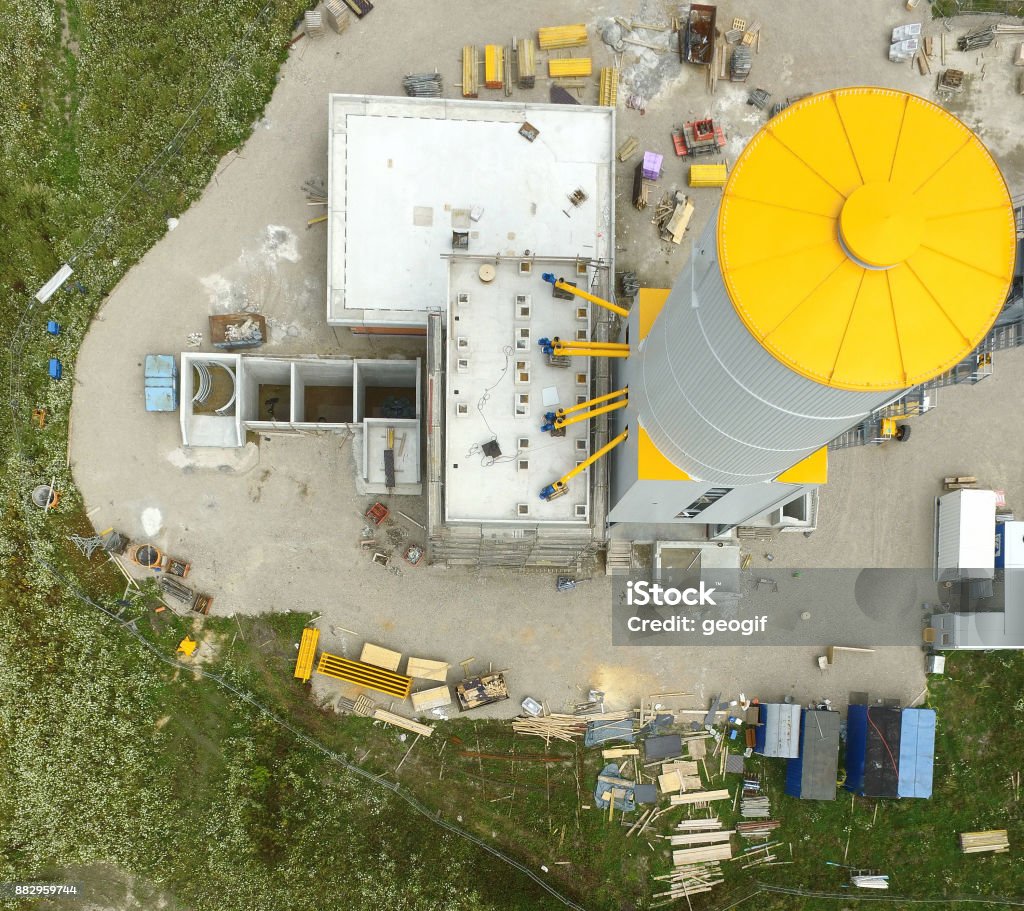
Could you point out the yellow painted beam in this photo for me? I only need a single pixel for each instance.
(365, 675)
(559, 36)
(570, 66)
(812, 470)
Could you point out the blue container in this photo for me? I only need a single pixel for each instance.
(55, 369)
(53, 327)
(161, 382)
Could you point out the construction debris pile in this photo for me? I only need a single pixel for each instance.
(423, 85)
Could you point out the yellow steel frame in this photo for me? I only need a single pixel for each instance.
(587, 415)
(565, 412)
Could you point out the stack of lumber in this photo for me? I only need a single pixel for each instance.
(701, 838)
(551, 727)
(526, 63)
(698, 797)
(759, 829)
(755, 808)
(689, 879)
(708, 175)
(608, 94)
(678, 222)
(995, 841)
(336, 15)
(678, 776)
(494, 66)
(560, 36)
(425, 669)
(399, 722)
(470, 72)
(702, 855)
(696, 825)
(568, 67)
(314, 22)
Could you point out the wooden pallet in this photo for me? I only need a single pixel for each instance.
(608, 94)
(561, 36)
(470, 72)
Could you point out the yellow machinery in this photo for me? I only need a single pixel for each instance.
(561, 348)
(561, 486)
(307, 651)
(187, 646)
(563, 417)
(890, 430)
(562, 289)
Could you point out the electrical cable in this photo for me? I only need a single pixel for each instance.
(885, 743)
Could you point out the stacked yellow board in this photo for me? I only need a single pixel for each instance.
(307, 651)
(569, 66)
(609, 92)
(494, 66)
(365, 675)
(560, 36)
(708, 175)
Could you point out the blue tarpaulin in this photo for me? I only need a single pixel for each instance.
(917, 753)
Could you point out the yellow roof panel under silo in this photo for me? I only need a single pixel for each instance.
(867, 239)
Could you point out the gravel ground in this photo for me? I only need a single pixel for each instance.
(276, 526)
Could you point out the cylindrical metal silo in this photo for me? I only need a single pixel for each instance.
(864, 244)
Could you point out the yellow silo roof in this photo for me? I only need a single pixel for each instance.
(867, 239)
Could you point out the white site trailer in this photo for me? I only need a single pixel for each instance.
(965, 528)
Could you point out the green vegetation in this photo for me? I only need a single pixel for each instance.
(944, 8)
(112, 760)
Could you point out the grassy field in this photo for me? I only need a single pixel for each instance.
(150, 784)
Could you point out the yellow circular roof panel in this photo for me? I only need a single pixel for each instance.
(867, 239)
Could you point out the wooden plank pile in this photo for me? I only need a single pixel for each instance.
(470, 72)
(526, 63)
(689, 879)
(698, 797)
(994, 841)
(551, 727)
(336, 15)
(679, 776)
(756, 829)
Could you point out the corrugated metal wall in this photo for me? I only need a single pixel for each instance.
(717, 403)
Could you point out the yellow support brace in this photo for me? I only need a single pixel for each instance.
(568, 351)
(365, 675)
(307, 651)
(565, 412)
(566, 67)
(559, 36)
(593, 298)
(561, 486)
(587, 415)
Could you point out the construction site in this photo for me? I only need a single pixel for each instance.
(466, 344)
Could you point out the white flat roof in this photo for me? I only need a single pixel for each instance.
(405, 172)
(492, 360)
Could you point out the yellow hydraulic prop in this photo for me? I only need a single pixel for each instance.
(564, 417)
(560, 284)
(561, 486)
(562, 348)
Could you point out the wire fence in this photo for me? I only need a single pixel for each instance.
(945, 8)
